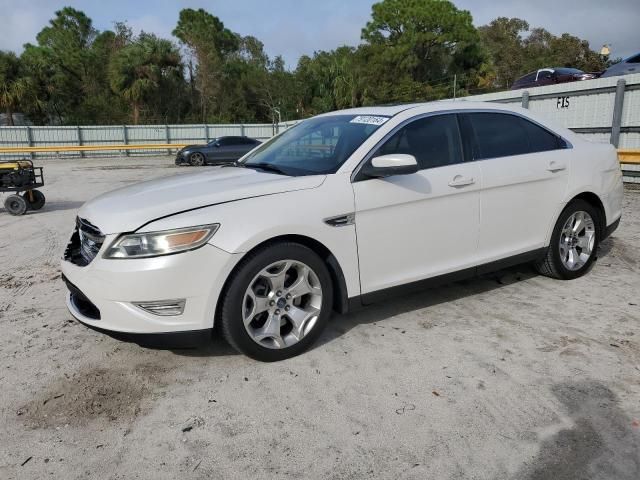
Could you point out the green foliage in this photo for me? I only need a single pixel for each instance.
(412, 50)
(516, 50)
(14, 88)
(143, 69)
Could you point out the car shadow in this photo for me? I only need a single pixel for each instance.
(429, 297)
(341, 324)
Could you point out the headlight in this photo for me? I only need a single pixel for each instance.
(153, 244)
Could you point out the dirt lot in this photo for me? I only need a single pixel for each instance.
(512, 376)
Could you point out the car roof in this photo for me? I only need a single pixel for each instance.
(440, 105)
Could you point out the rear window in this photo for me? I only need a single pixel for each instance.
(497, 135)
(540, 140)
(501, 135)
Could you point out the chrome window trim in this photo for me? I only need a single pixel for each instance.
(367, 157)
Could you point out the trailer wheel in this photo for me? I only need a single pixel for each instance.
(15, 205)
(38, 199)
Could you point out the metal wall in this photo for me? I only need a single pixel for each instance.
(26, 136)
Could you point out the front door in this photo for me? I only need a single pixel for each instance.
(412, 227)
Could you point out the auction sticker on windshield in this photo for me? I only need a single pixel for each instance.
(370, 120)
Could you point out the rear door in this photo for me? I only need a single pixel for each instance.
(524, 178)
(412, 227)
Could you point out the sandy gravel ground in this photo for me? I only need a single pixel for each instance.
(512, 376)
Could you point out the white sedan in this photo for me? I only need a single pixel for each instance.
(335, 213)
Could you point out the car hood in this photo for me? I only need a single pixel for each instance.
(192, 147)
(127, 209)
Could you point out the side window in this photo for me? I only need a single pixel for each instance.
(224, 142)
(498, 135)
(434, 141)
(540, 140)
(635, 59)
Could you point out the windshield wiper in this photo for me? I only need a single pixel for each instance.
(234, 164)
(266, 166)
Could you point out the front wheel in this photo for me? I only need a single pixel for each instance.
(15, 205)
(196, 159)
(277, 302)
(574, 242)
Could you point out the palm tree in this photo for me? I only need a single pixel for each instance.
(14, 89)
(138, 70)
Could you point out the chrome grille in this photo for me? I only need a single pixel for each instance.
(85, 243)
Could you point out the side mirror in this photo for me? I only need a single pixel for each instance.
(389, 165)
(217, 145)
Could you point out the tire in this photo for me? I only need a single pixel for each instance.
(196, 159)
(38, 199)
(252, 302)
(582, 239)
(15, 205)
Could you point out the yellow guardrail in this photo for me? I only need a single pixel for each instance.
(91, 148)
(629, 156)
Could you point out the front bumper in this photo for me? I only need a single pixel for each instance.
(112, 287)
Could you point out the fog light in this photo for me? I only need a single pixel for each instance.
(164, 308)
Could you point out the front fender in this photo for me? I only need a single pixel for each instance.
(244, 224)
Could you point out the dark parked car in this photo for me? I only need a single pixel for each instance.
(625, 67)
(551, 76)
(217, 152)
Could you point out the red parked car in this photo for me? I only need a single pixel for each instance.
(551, 76)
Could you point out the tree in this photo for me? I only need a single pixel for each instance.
(515, 49)
(209, 42)
(503, 39)
(139, 70)
(14, 88)
(423, 38)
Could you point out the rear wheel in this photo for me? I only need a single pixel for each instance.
(15, 205)
(574, 242)
(38, 199)
(196, 159)
(277, 302)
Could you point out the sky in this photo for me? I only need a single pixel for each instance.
(293, 28)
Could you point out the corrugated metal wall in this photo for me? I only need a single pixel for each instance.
(125, 134)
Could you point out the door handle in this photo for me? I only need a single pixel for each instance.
(556, 167)
(460, 181)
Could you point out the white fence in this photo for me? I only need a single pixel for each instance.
(50, 136)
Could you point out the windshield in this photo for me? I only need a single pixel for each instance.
(319, 145)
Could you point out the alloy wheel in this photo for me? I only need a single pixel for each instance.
(197, 159)
(281, 304)
(577, 240)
